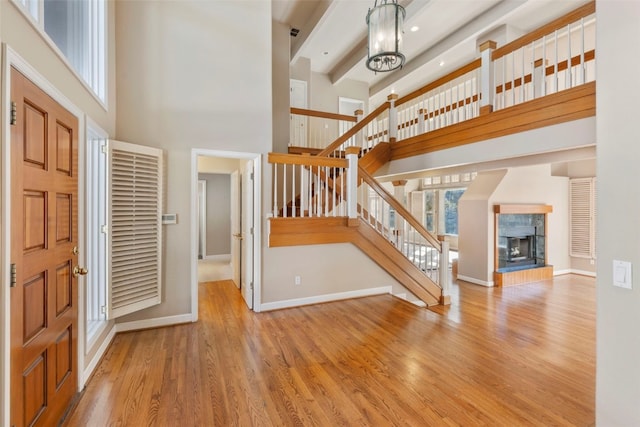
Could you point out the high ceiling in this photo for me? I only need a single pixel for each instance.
(333, 35)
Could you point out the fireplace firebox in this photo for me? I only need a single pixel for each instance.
(521, 244)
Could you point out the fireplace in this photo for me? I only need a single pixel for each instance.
(520, 243)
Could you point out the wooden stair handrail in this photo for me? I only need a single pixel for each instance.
(323, 114)
(563, 21)
(400, 210)
(296, 159)
(354, 130)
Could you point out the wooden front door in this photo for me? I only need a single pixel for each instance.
(44, 238)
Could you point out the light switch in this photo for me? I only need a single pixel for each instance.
(622, 274)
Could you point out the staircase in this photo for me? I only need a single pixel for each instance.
(326, 193)
(332, 197)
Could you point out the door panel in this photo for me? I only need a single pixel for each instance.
(44, 304)
(247, 234)
(235, 227)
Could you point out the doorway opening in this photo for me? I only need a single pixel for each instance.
(225, 232)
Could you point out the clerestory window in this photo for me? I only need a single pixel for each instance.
(77, 31)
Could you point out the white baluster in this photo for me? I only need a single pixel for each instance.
(555, 63)
(582, 65)
(569, 83)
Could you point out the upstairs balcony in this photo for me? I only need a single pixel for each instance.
(544, 78)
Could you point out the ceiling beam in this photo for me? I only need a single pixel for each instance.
(307, 31)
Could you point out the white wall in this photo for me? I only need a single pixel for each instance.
(618, 310)
(475, 228)
(192, 74)
(280, 87)
(323, 269)
(218, 205)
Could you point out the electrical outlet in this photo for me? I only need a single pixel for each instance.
(297, 280)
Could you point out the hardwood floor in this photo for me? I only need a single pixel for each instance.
(521, 355)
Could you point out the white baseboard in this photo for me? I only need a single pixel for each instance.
(277, 305)
(91, 366)
(154, 323)
(475, 281)
(221, 258)
(581, 272)
(561, 272)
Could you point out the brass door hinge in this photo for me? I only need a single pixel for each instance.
(14, 114)
(14, 276)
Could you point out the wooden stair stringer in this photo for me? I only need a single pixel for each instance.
(315, 231)
(387, 256)
(375, 158)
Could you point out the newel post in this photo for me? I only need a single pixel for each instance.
(393, 117)
(400, 195)
(445, 299)
(359, 137)
(486, 77)
(352, 183)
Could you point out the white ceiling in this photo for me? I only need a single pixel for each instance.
(333, 35)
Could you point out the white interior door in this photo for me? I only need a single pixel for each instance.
(298, 124)
(236, 232)
(246, 279)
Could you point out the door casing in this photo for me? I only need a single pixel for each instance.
(257, 203)
(10, 58)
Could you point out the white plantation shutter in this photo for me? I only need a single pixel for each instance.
(135, 227)
(582, 201)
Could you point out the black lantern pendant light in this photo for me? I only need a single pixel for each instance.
(385, 23)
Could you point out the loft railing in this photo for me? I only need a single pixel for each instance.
(312, 129)
(555, 57)
(446, 101)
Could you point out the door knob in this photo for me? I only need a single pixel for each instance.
(79, 271)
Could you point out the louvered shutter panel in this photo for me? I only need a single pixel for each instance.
(135, 227)
(582, 217)
(594, 204)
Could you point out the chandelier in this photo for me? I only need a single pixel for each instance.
(384, 23)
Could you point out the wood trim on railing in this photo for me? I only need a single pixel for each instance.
(563, 21)
(560, 107)
(400, 210)
(441, 81)
(378, 135)
(323, 114)
(354, 130)
(296, 159)
(588, 56)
